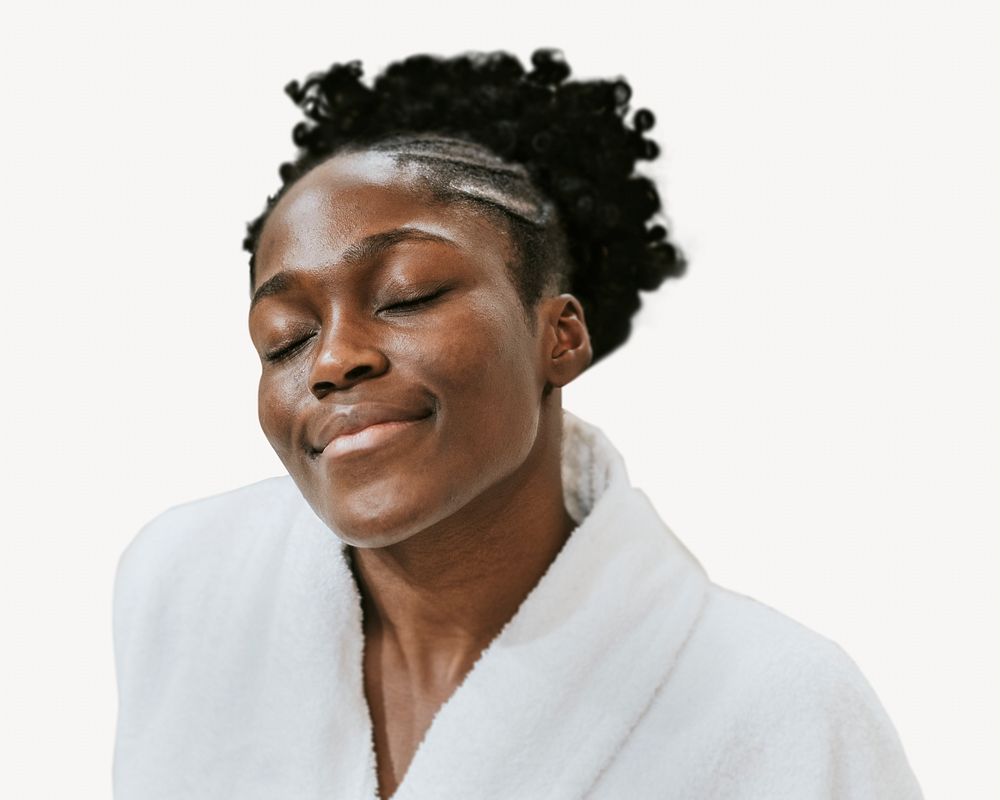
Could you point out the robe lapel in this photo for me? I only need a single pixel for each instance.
(317, 701)
(553, 698)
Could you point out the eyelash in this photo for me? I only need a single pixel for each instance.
(404, 305)
(284, 352)
(415, 302)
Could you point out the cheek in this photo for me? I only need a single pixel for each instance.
(277, 403)
(486, 375)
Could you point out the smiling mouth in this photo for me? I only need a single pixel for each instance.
(368, 438)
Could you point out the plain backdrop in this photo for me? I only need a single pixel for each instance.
(814, 409)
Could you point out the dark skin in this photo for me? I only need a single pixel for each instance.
(452, 516)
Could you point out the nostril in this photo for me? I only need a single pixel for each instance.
(357, 372)
(322, 388)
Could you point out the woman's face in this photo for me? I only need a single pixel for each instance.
(401, 378)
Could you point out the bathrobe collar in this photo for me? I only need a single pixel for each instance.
(552, 699)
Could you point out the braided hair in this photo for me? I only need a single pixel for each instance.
(569, 138)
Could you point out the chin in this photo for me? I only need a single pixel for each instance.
(372, 525)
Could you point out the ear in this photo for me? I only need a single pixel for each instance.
(566, 341)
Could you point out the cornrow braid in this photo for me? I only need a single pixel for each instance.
(572, 138)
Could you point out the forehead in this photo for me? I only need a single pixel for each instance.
(355, 195)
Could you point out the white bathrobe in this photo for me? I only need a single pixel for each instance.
(625, 673)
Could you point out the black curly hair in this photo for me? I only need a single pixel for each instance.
(569, 139)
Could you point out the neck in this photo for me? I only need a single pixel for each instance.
(441, 596)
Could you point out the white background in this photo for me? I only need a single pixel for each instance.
(813, 409)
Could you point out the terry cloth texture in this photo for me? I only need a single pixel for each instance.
(624, 674)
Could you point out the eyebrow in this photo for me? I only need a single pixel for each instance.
(364, 250)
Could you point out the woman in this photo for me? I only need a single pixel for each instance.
(456, 593)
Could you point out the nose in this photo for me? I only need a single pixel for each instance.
(346, 356)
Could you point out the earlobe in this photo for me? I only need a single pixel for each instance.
(571, 352)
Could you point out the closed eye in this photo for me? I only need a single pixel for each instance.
(414, 302)
(287, 350)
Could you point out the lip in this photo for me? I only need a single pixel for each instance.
(360, 427)
(367, 438)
